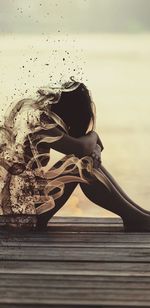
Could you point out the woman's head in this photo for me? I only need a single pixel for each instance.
(76, 109)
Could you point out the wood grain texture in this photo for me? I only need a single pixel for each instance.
(77, 262)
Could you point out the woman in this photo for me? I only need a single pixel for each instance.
(66, 124)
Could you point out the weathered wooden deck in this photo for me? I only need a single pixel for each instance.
(78, 262)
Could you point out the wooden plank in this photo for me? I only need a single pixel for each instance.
(93, 237)
(62, 220)
(37, 244)
(74, 228)
(75, 281)
(81, 220)
(76, 268)
(69, 285)
(81, 295)
(73, 254)
(86, 227)
(74, 237)
(86, 224)
(69, 304)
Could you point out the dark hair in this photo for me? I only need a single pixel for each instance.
(77, 110)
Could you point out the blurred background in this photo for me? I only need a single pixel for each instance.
(105, 44)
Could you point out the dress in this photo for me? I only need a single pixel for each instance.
(26, 184)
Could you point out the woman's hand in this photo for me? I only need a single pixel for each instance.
(96, 155)
(100, 144)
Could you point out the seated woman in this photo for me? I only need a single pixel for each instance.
(65, 123)
(76, 109)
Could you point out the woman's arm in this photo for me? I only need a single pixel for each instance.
(80, 147)
(96, 154)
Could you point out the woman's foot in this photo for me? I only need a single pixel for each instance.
(41, 227)
(140, 224)
(41, 224)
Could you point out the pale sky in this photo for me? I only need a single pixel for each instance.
(79, 16)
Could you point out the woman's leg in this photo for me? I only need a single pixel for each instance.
(43, 219)
(134, 217)
(121, 190)
(115, 201)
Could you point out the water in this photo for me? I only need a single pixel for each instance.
(117, 69)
